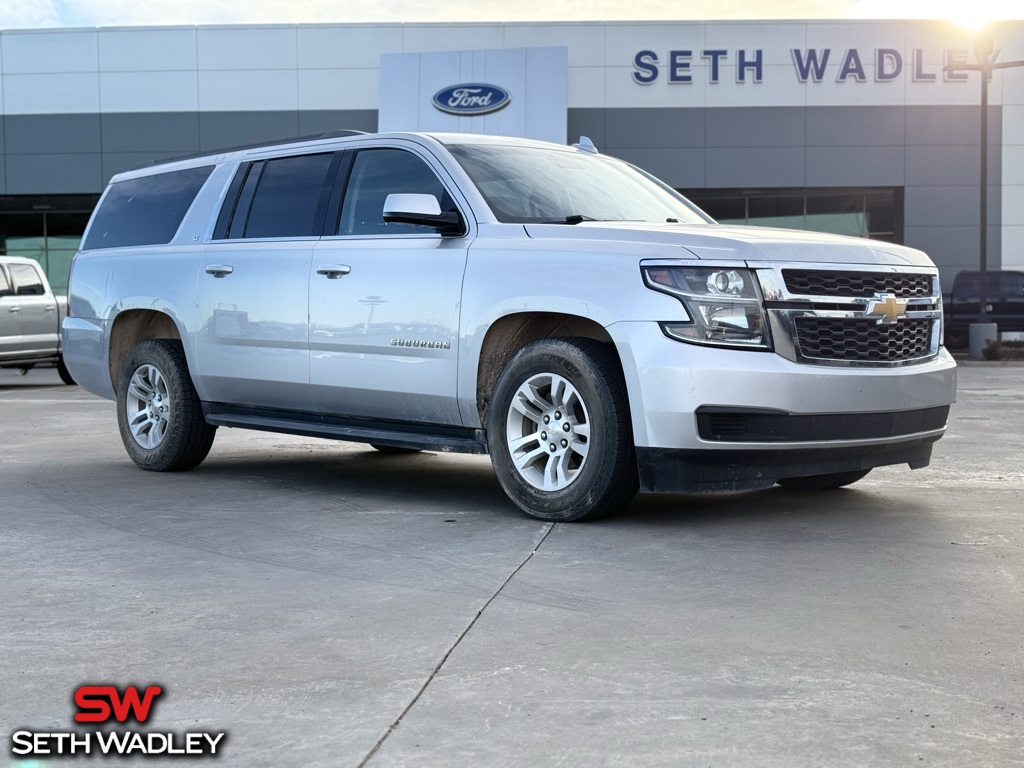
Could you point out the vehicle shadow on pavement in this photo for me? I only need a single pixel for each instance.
(34, 386)
(716, 509)
(42, 379)
(369, 480)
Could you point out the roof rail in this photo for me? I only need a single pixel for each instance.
(254, 145)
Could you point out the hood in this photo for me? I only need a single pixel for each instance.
(717, 242)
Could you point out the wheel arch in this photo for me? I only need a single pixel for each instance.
(510, 333)
(131, 327)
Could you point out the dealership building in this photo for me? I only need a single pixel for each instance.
(870, 129)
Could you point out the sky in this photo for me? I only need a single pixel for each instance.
(22, 14)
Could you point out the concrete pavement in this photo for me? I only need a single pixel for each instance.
(326, 605)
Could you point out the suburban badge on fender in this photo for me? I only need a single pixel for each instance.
(421, 344)
(471, 99)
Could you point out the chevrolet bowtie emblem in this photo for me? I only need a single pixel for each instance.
(887, 308)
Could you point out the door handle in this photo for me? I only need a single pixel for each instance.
(219, 270)
(51, 309)
(334, 271)
(14, 309)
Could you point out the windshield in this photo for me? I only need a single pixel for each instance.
(532, 185)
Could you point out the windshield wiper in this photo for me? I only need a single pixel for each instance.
(574, 218)
(579, 218)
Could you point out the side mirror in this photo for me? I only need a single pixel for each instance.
(424, 210)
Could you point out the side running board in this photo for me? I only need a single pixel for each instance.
(400, 435)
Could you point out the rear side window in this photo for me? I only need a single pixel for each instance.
(147, 210)
(27, 280)
(283, 197)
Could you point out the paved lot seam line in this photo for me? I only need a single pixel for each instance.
(444, 659)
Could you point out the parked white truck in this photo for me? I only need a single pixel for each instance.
(30, 318)
(565, 312)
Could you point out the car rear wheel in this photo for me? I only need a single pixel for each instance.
(558, 431)
(158, 411)
(63, 372)
(823, 482)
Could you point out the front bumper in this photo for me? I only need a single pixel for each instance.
(803, 419)
(667, 470)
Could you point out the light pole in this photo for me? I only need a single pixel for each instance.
(983, 52)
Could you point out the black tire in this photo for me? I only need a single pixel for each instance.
(393, 449)
(184, 438)
(822, 482)
(63, 372)
(598, 482)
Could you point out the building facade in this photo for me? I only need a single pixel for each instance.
(862, 128)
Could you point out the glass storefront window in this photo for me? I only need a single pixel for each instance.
(776, 211)
(45, 228)
(23, 235)
(875, 213)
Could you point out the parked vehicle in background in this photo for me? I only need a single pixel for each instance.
(30, 318)
(565, 312)
(1004, 304)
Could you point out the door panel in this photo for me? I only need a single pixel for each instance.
(252, 344)
(10, 319)
(253, 289)
(384, 334)
(39, 321)
(39, 324)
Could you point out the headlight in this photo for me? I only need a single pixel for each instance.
(723, 305)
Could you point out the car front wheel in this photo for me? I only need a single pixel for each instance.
(558, 431)
(158, 411)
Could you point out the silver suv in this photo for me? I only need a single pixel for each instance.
(563, 311)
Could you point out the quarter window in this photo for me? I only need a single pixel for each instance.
(147, 210)
(377, 173)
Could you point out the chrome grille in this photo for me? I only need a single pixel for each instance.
(870, 316)
(849, 284)
(863, 340)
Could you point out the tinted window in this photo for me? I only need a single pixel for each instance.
(1012, 284)
(147, 210)
(235, 227)
(377, 173)
(287, 198)
(998, 283)
(27, 280)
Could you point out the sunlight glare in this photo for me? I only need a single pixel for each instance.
(970, 16)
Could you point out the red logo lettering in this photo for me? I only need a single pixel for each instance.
(96, 703)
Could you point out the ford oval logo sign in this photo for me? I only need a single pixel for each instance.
(471, 99)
